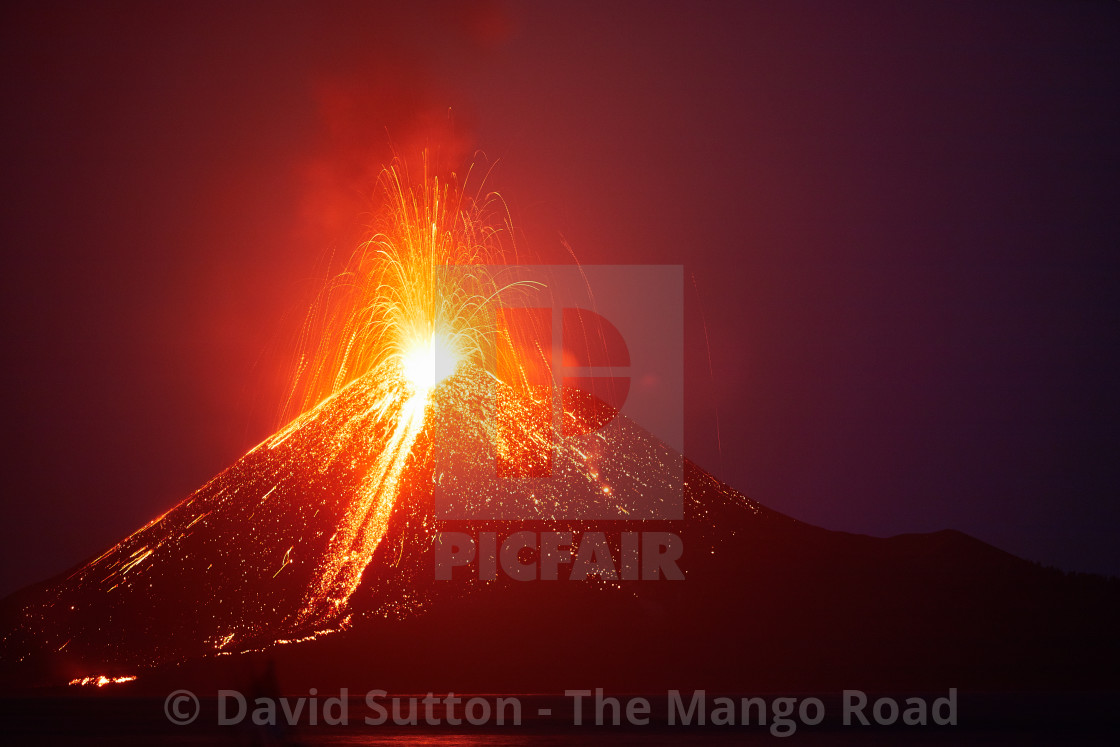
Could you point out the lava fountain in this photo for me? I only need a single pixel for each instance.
(394, 312)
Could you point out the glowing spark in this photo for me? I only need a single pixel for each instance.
(284, 564)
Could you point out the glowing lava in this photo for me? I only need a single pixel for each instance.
(426, 364)
(399, 315)
(101, 680)
(396, 308)
(367, 517)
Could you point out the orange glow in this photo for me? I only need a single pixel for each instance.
(394, 308)
(101, 680)
(428, 363)
(397, 322)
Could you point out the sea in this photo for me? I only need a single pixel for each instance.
(1081, 718)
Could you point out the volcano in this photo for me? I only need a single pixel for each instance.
(317, 550)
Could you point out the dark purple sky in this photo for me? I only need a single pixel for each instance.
(901, 219)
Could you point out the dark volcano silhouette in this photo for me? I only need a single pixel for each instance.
(768, 602)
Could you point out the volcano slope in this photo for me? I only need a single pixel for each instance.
(317, 551)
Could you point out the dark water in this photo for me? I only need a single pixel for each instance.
(983, 719)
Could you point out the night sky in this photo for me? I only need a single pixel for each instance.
(899, 221)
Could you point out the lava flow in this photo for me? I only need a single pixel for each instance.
(397, 315)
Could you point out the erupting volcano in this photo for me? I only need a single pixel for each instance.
(326, 534)
(400, 345)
